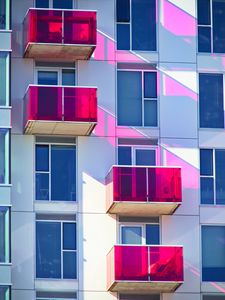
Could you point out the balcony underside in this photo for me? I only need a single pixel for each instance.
(144, 287)
(142, 208)
(59, 128)
(57, 51)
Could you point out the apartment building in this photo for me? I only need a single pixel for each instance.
(112, 147)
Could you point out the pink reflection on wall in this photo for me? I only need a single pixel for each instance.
(181, 23)
(106, 125)
(190, 175)
(174, 88)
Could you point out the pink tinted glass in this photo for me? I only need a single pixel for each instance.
(147, 184)
(166, 263)
(131, 263)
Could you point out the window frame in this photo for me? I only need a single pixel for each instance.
(142, 225)
(50, 144)
(50, 5)
(130, 31)
(211, 31)
(143, 99)
(199, 112)
(58, 70)
(209, 176)
(134, 149)
(201, 251)
(61, 250)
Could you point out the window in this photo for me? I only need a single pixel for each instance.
(4, 292)
(4, 235)
(213, 297)
(4, 156)
(56, 249)
(130, 155)
(212, 164)
(144, 232)
(4, 14)
(213, 253)
(56, 76)
(211, 100)
(139, 297)
(55, 172)
(211, 26)
(63, 4)
(4, 78)
(56, 295)
(136, 25)
(137, 106)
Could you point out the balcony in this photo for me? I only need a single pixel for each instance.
(59, 34)
(143, 191)
(60, 110)
(144, 269)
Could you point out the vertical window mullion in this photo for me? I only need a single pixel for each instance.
(142, 95)
(62, 251)
(131, 25)
(211, 25)
(214, 176)
(49, 172)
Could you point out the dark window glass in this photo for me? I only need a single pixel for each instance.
(42, 186)
(123, 36)
(213, 253)
(214, 297)
(4, 292)
(42, 157)
(211, 100)
(144, 25)
(152, 234)
(124, 156)
(220, 178)
(47, 77)
(204, 39)
(206, 162)
(150, 113)
(68, 77)
(42, 3)
(145, 157)
(69, 265)
(150, 85)
(4, 228)
(129, 98)
(66, 4)
(3, 14)
(48, 250)
(204, 12)
(69, 236)
(123, 10)
(218, 26)
(63, 172)
(207, 187)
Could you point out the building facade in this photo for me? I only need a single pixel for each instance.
(112, 151)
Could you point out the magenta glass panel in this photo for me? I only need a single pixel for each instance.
(58, 26)
(45, 26)
(166, 263)
(44, 103)
(131, 263)
(79, 27)
(80, 104)
(129, 184)
(164, 184)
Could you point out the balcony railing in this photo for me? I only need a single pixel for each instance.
(64, 34)
(144, 268)
(143, 191)
(60, 110)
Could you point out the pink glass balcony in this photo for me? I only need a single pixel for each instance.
(145, 268)
(143, 191)
(60, 110)
(64, 34)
